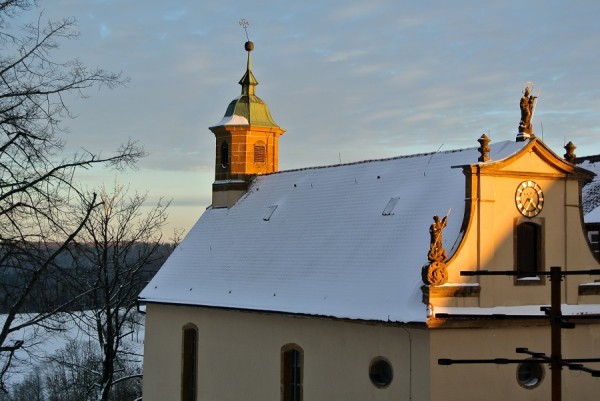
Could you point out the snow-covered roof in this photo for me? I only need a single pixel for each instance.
(593, 216)
(233, 120)
(346, 241)
(591, 191)
(517, 311)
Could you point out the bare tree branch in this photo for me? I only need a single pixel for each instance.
(114, 251)
(38, 184)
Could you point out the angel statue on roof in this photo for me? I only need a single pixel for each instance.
(436, 250)
(434, 273)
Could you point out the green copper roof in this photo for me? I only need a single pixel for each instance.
(248, 105)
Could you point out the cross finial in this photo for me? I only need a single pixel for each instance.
(245, 24)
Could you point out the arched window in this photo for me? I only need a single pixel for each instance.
(260, 152)
(529, 246)
(189, 369)
(291, 372)
(224, 153)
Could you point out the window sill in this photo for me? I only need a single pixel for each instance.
(531, 280)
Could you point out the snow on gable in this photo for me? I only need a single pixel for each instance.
(233, 120)
(327, 248)
(591, 192)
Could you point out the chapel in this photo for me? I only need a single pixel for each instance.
(380, 279)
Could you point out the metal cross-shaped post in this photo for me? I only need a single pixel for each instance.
(245, 24)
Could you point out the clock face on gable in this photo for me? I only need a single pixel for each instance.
(529, 198)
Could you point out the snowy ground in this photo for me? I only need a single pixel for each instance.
(41, 344)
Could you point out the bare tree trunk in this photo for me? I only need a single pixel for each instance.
(115, 251)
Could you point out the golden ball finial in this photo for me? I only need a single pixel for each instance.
(249, 46)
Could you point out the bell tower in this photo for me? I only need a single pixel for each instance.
(247, 142)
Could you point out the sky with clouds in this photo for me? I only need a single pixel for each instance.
(348, 80)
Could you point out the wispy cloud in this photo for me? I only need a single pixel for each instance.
(104, 31)
(175, 14)
(360, 79)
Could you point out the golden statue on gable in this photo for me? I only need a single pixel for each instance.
(434, 273)
(527, 105)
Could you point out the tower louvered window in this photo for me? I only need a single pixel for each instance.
(260, 152)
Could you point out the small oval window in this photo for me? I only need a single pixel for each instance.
(530, 375)
(380, 372)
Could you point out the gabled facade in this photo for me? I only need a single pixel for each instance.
(338, 283)
(499, 214)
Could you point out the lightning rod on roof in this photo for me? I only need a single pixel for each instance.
(431, 157)
(245, 24)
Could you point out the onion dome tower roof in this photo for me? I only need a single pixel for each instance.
(248, 109)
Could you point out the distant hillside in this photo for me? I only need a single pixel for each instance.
(56, 287)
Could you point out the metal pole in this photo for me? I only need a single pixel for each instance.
(555, 316)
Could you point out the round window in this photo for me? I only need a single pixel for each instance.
(380, 372)
(530, 375)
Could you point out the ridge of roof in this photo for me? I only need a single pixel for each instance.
(589, 158)
(414, 155)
